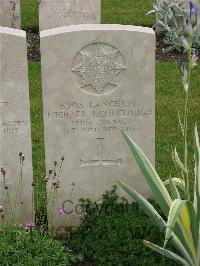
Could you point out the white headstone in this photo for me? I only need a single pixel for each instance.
(97, 79)
(15, 129)
(60, 13)
(10, 13)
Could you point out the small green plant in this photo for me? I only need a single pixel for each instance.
(180, 207)
(29, 246)
(111, 233)
(172, 18)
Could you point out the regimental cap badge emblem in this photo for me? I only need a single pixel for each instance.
(98, 68)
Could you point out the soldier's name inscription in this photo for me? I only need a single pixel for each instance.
(100, 116)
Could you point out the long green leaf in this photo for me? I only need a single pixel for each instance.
(167, 253)
(146, 206)
(161, 194)
(173, 217)
(196, 201)
(158, 189)
(194, 223)
(152, 213)
(182, 211)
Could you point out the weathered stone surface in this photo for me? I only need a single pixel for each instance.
(15, 130)
(97, 79)
(10, 13)
(59, 13)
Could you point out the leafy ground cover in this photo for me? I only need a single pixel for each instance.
(20, 246)
(113, 11)
(112, 233)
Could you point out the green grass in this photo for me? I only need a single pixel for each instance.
(36, 118)
(37, 138)
(169, 96)
(127, 12)
(113, 11)
(29, 14)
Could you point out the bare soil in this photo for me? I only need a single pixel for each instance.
(33, 43)
(34, 49)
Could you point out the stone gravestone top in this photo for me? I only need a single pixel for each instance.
(10, 13)
(97, 79)
(15, 130)
(59, 13)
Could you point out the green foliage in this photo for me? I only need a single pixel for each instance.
(182, 225)
(29, 14)
(170, 95)
(127, 12)
(171, 18)
(112, 232)
(20, 246)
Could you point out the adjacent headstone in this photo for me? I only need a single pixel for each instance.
(59, 13)
(97, 79)
(10, 13)
(15, 130)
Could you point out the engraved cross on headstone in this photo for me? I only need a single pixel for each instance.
(101, 163)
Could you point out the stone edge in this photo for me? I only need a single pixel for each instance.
(100, 27)
(12, 31)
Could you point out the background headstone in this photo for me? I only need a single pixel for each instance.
(10, 13)
(97, 79)
(59, 13)
(15, 129)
